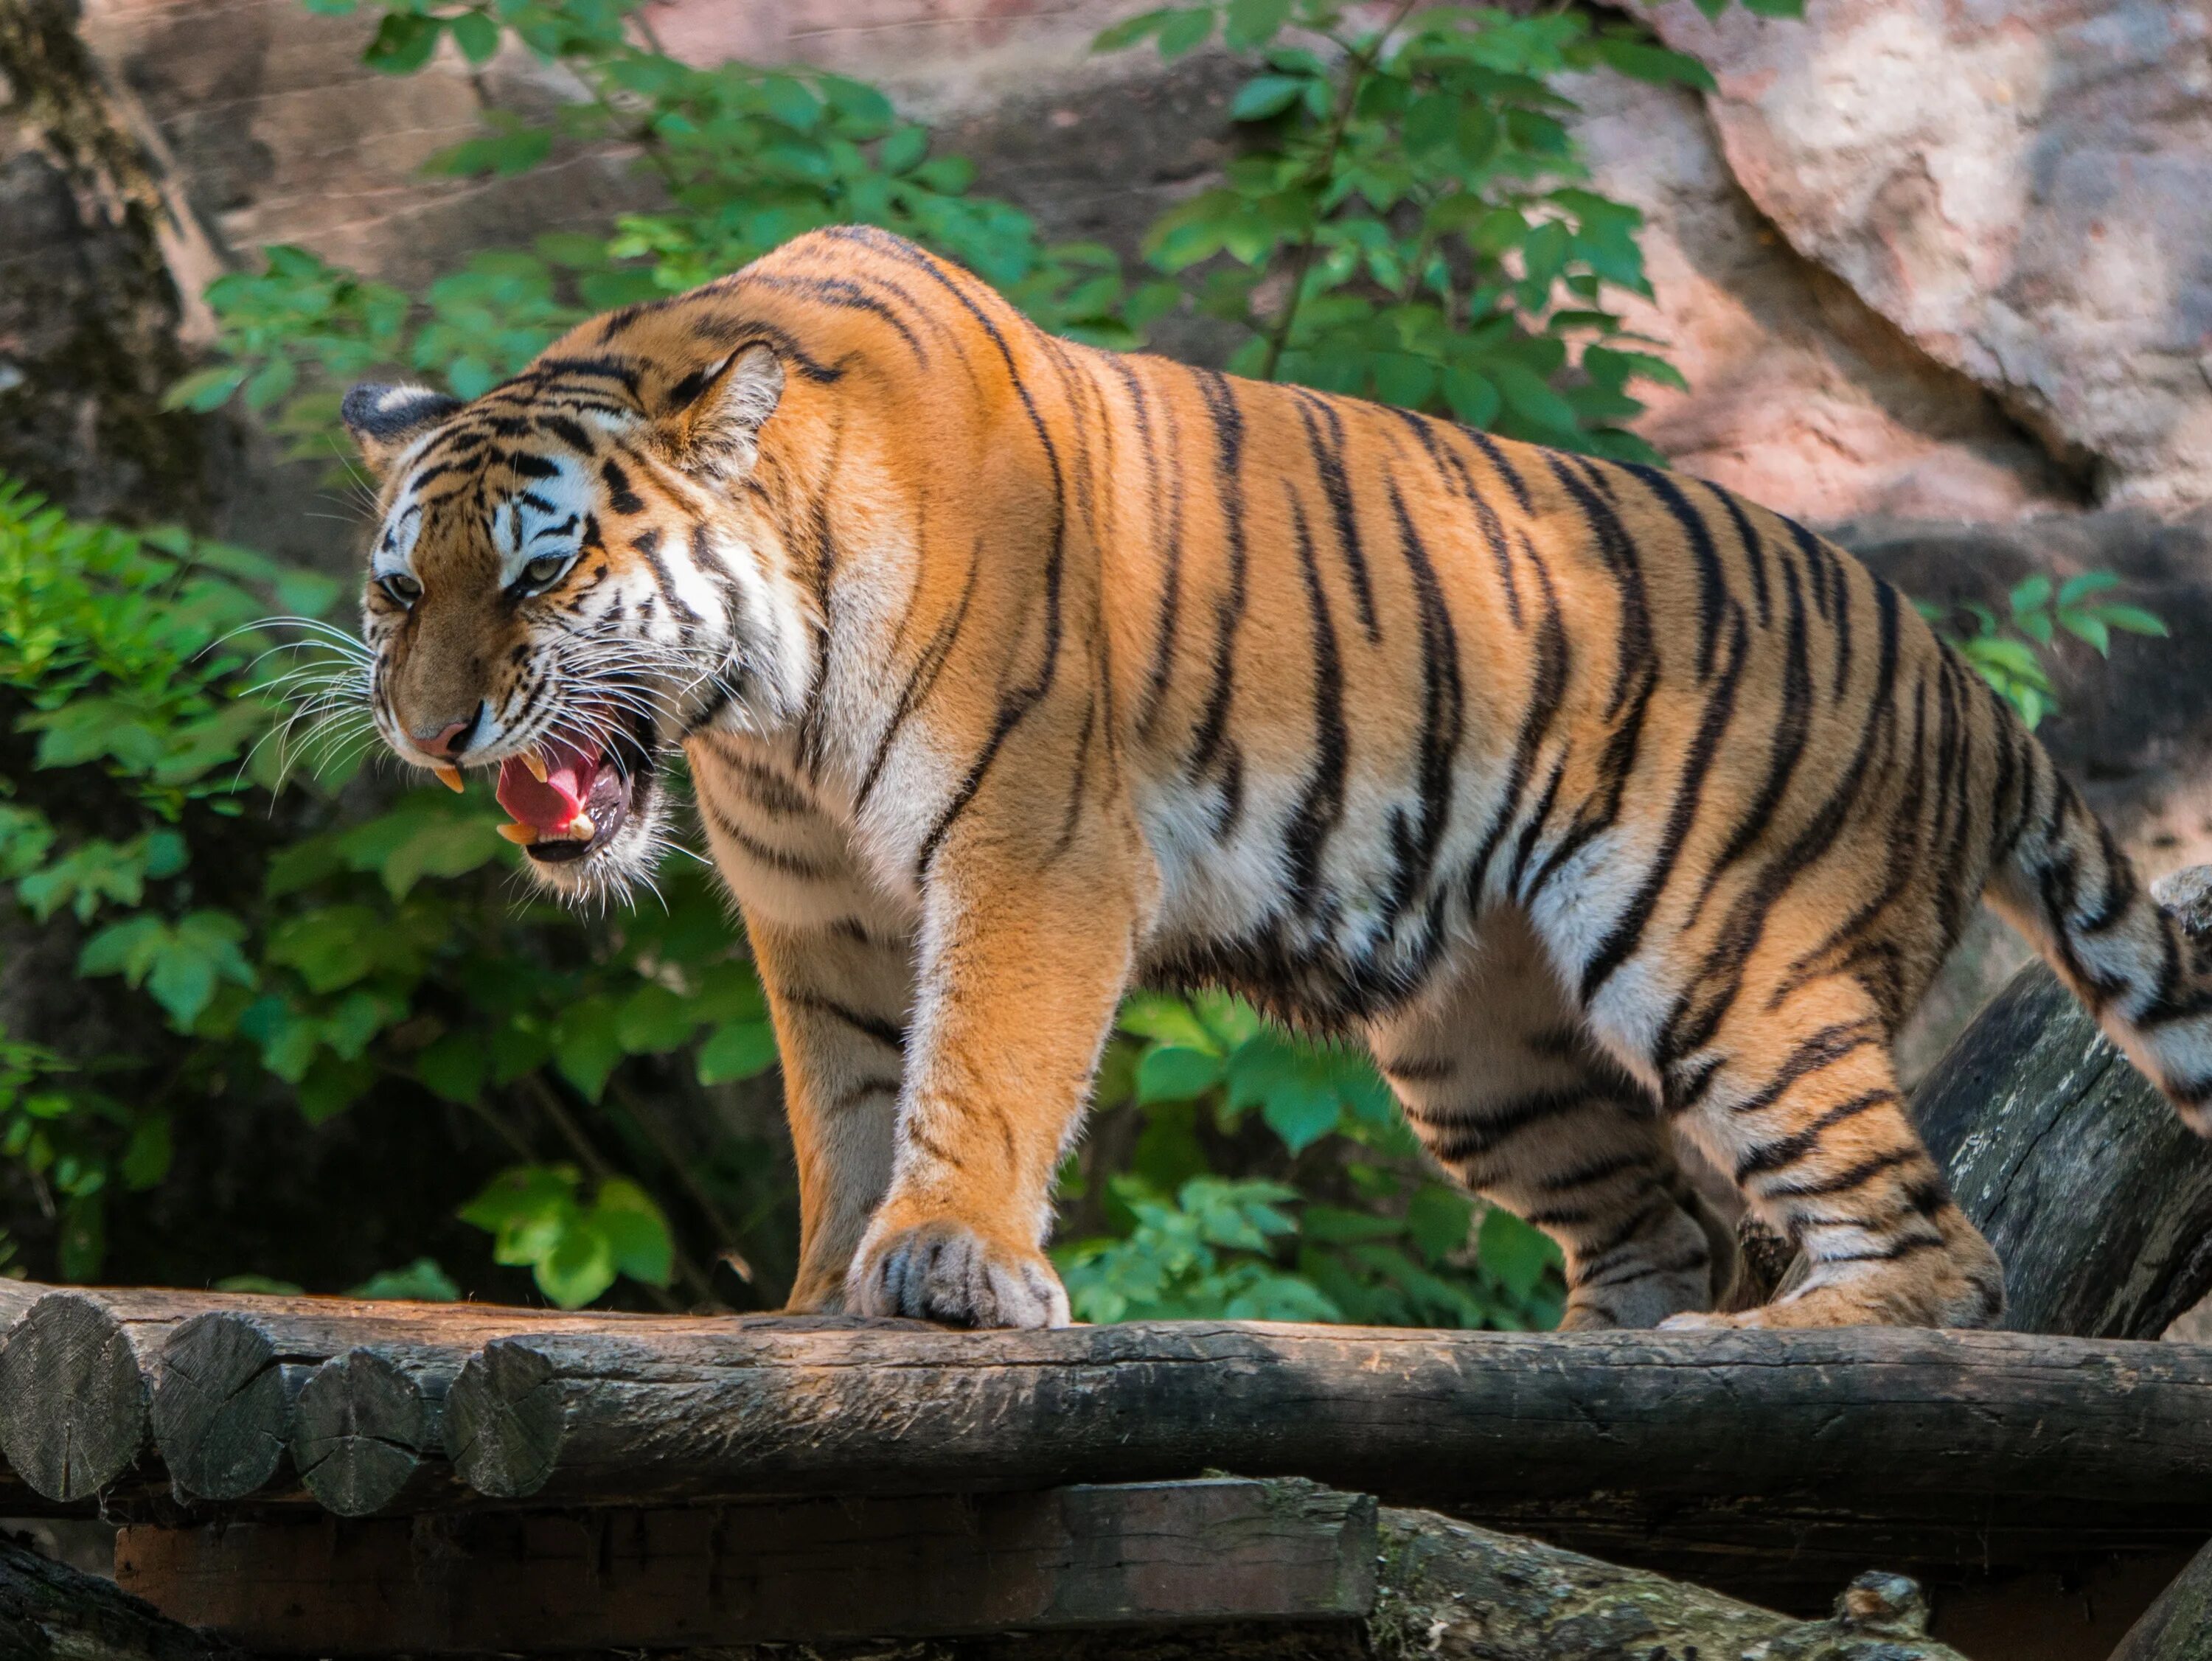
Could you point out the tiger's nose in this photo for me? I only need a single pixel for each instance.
(450, 740)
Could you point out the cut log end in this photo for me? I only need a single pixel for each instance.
(72, 1400)
(505, 1421)
(359, 1431)
(221, 1407)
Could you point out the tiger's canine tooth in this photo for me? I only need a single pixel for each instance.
(520, 834)
(536, 764)
(580, 827)
(450, 777)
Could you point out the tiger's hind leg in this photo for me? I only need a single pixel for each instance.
(1497, 1076)
(1796, 1095)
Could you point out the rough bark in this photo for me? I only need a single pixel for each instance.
(50, 1613)
(1461, 1593)
(72, 1397)
(2006, 1439)
(89, 311)
(1280, 1569)
(363, 1427)
(2179, 1627)
(2097, 1197)
(806, 1570)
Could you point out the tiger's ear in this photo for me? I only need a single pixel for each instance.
(385, 420)
(713, 421)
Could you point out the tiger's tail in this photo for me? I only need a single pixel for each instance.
(2070, 889)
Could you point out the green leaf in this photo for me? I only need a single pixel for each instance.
(1300, 1112)
(205, 389)
(2033, 594)
(453, 1067)
(577, 1267)
(266, 1286)
(737, 1050)
(402, 43)
(421, 1282)
(1528, 397)
(587, 1045)
(635, 1231)
(1264, 96)
(477, 35)
(1186, 31)
(1173, 1073)
(2074, 589)
(1438, 1218)
(1512, 1251)
(654, 1019)
(1251, 24)
(1641, 60)
(1130, 30)
(2133, 620)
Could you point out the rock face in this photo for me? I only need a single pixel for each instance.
(2022, 187)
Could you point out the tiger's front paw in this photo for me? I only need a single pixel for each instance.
(943, 1271)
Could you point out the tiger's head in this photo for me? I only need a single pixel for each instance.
(569, 576)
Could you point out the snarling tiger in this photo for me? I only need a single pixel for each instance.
(1605, 807)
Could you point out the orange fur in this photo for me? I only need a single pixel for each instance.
(1608, 808)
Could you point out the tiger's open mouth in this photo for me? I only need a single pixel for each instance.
(580, 800)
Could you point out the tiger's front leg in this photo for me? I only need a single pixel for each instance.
(1025, 952)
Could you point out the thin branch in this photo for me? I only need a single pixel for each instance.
(1361, 63)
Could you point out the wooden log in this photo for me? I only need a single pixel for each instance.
(1461, 1593)
(2097, 1197)
(1181, 1568)
(52, 1613)
(809, 1571)
(2179, 1626)
(72, 1398)
(223, 1407)
(362, 1427)
(1962, 1445)
(232, 1374)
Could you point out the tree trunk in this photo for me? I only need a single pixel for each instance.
(2179, 1627)
(1461, 1593)
(2097, 1197)
(50, 1613)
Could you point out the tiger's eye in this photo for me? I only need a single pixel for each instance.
(543, 570)
(400, 588)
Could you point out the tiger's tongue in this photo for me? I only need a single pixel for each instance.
(548, 806)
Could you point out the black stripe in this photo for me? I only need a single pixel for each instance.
(890, 1035)
(1627, 931)
(1321, 807)
(1328, 465)
(1712, 589)
(1442, 712)
(1791, 731)
(1229, 610)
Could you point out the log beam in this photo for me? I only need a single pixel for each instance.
(2179, 1626)
(2097, 1197)
(52, 1613)
(1190, 1554)
(1331, 1576)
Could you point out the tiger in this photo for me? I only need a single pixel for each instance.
(1616, 816)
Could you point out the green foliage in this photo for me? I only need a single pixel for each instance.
(2006, 650)
(360, 948)
(539, 1220)
(1408, 218)
(744, 157)
(1354, 1226)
